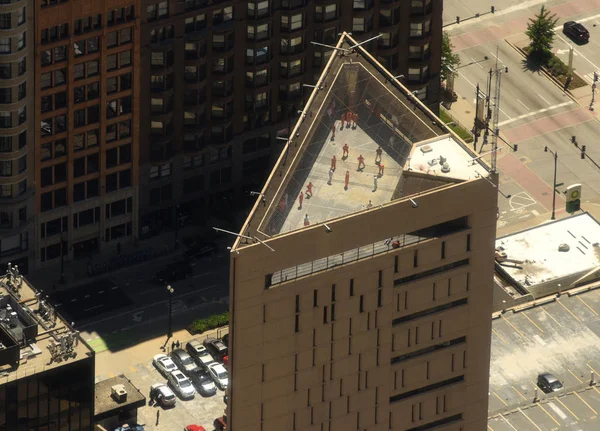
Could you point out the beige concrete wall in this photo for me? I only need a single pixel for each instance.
(339, 373)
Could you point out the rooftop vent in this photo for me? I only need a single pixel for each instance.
(445, 168)
(426, 149)
(564, 247)
(119, 393)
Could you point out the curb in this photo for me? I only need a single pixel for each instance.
(545, 73)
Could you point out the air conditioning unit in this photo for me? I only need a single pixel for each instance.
(119, 393)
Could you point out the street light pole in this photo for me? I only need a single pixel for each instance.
(555, 154)
(171, 291)
(62, 259)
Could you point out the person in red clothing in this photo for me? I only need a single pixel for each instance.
(346, 150)
(333, 163)
(361, 162)
(300, 200)
(333, 131)
(381, 167)
(306, 220)
(347, 180)
(342, 119)
(348, 118)
(354, 120)
(309, 190)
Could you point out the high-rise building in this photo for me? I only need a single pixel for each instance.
(361, 283)
(86, 108)
(46, 369)
(17, 179)
(224, 79)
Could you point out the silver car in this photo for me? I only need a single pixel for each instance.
(181, 384)
(164, 364)
(219, 375)
(163, 394)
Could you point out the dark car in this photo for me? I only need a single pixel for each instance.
(184, 361)
(216, 347)
(577, 32)
(220, 424)
(549, 383)
(201, 250)
(174, 272)
(204, 384)
(226, 339)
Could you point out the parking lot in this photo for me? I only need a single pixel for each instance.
(561, 337)
(198, 410)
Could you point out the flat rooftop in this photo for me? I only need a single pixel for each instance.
(538, 258)
(388, 117)
(28, 325)
(105, 404)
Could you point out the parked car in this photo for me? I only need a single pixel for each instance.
(576, 32)
(219, 375)
(127, 427)
(220, 424)
(163, 394)
(164, 364)
(184, 361)
(181, 384)
(203, 382)
(200, 353)
(549, 383)
(200, 250)
(174, 272)
(194, 427)
(225, 339)
(216, 348)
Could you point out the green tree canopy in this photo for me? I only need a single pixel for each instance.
(540, 31)
(450, 60)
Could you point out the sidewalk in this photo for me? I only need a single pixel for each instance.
(77, 271)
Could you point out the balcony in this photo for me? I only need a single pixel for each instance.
(258, 81)
(222, 115)
(224, 45)
(321, 17)
(258, 13)
(290, 95)
(259, 36)
(292, 49)
(421, 7)
(292, 4)
(362, 5)
(262, 57)
(290, 72)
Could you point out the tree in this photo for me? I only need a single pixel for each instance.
(450, 60)
(540, 31)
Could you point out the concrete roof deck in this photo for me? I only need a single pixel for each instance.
(389, 116)
(104, 403)
(542, 261)
(35, 356)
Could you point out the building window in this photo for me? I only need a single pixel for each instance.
(222, 15)
(5, 21)
(5, 47)
(290, 23)
(325, 13)
(163, 171)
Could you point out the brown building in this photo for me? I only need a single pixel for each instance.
(361, 298)
(17, 180)
(224, 79)
(86, 109)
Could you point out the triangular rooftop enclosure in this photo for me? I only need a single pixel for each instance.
(415, 145)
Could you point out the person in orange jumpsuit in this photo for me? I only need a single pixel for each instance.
(300, 200)
(333, 131)
(333, 163)
(347, 180)
(348, 118)
(354, 120)
(346, 150)
(342, 119)
(381, 169)
(361, 162)
(309, 190)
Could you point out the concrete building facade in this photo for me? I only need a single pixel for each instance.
(226, 79)
(365, 303)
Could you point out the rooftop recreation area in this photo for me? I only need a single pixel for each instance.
(362, 140)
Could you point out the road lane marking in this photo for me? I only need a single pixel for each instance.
(146, 306)
(550, 316)
(529, 419)
(148, 291)
(574, 375)
(529, 114)
(551, 417)
(476, 62)
(568, 409)
(579, 53)
(534, 324)
(570, 312)
(474, 86)
(523, 105)
(509, 424)
(585, 402)
(558, 411)
(491, 429)
(93, 308)
(587, 305)
(515, 328)
(541, 97)
(498, 335)
(589, 18)
(501, 400)
(517, 391)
